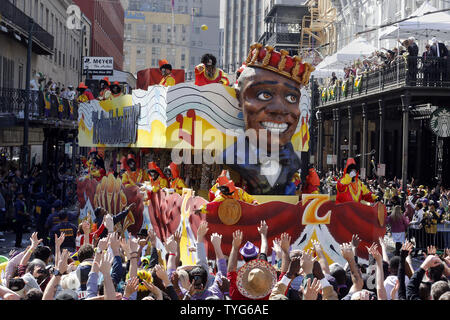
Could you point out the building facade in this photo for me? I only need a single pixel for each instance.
(56, 53)
(149, 36)
(107, 19)
(243, 23)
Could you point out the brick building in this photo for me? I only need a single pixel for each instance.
(107, 19)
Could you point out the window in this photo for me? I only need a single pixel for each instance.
(156, 51)
(183, 57)
(41, 17)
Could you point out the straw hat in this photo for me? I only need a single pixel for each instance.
(230, 212)
(256, 279)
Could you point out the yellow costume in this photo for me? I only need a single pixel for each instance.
(132, 178)
(161, 182)
(238, 194)
(175, 181)
(168, 81)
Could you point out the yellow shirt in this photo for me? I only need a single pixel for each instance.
(168, 81)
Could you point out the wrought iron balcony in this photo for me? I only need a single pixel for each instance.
(42, 106)
(409, 72)
(18, 22)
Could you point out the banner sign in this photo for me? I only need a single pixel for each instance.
(98, 66)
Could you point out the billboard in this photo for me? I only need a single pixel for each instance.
(101, 66)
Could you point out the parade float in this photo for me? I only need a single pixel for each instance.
(194, 124)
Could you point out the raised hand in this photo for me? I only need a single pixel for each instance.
(216, 239)
(106, 263)
(237, 239)
(109, 223)
(134, 245)
(316, 246)
(59, 240)
(262, 229)
(34, 240)
(431, 250)
(307, 262)
(62, 263)
(177, 236)
(202, 231)
(311, 290)
(162, 274)
(347, 252)
(171, 245)
(103, 243)
(373, 250)
(285, 242)
(277, 247)
(407, 248)
(131, 287)
(114, 242)
(355, 241)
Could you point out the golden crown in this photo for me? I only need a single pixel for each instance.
(266, 57)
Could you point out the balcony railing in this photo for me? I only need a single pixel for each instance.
(410, 71)
(42, 106)
(42, 40)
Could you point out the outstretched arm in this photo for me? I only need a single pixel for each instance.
(381, 290)
(232, 260)
(347, 253)
(262, 229)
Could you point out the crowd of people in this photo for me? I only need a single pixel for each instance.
(387, 57)
(25, 203)
(421, 214)
(108, 266)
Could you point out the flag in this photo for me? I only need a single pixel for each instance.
(173, 4)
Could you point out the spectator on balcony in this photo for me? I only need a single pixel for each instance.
(333, 79)
(439, 50)
(427, 63)
(413, 52)
(71, 94)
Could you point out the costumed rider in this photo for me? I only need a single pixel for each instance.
(166, 70)
(207, 72)
(310, 187)
(350, 188)
(84, 94)
(214, 191)
(98, 172)
(133, 176)
(105, 92)
(227, 190)
(176, 183)
(116, 90)
(157, 179)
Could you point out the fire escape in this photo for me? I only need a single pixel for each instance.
(318, 27)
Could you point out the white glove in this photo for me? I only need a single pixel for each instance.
(109, 223)
(352, 174)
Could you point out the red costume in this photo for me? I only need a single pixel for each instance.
(312, 182)
(348, 191)
(202, 79)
